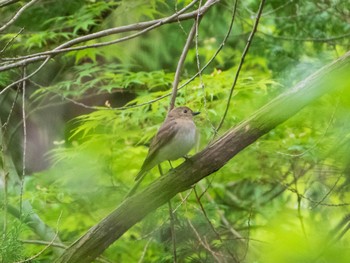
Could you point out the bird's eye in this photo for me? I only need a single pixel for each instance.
(185, 111)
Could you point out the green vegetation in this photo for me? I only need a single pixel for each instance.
(90, 113)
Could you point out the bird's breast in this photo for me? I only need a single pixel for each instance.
(182, 142)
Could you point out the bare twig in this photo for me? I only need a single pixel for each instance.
(10, 41)
(208, 4)
(183, 200)
(4, 179)
(4, 126)
(204, 243)
(44, 243)
(26, 77)
(223, 218)
(192, 78)
(245, 51)
(172, 220)
(60, 245)
(17, 14)
(180, 65)
(138, 26)
(178, 21)
(24, 140)
(48, 55)
(172, 228)
(3, 146)
(7, 2)
(46, 247)
(85, 38)
(211, 225)
(296, 176)
(328, 193)
(216, 52)
(145, 250)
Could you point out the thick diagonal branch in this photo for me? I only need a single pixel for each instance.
(205, 163)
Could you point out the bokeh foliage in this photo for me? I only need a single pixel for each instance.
(283, 199)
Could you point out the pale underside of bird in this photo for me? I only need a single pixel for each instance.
(174, 139)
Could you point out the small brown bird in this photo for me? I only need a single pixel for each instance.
(175, 138)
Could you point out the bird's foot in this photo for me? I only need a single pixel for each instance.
(187, 158)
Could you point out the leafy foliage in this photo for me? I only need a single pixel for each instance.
(94, 111)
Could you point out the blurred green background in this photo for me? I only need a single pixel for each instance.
(285, 198)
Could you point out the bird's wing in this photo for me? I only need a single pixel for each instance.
(165, 133)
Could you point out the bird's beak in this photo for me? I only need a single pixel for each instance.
(195, 113)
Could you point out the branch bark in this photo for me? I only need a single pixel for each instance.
(7, 2)
(17, 14)
(65, 47)
(206, 162)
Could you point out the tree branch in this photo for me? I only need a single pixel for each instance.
(206, 162)
(181, 63)
(133, 27)
(17, 14)
(7, 2)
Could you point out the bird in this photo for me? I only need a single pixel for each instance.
(174, 139)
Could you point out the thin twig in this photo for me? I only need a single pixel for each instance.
(17, 14)
(11, 40)
(144, 250)
(199, 71)
(42, 242)
(183, 200)
(26, 77)
(5, 176)
(46, 247)
(223, 218)
(178, 21)
(172, 230)
(4, 126)
(217, 51)
(328, 193)
(55, 244)
(172, 220)
(47, 58)
(211, 225)
(24, 140)
(204, 244)
(48, 55)
(248, 237)
(24, 60)
(300, 216)
(166, 95)
(245, 51)
(7, 2)
(180, 65)
(3, 130)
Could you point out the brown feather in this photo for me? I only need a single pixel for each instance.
(165, 133)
